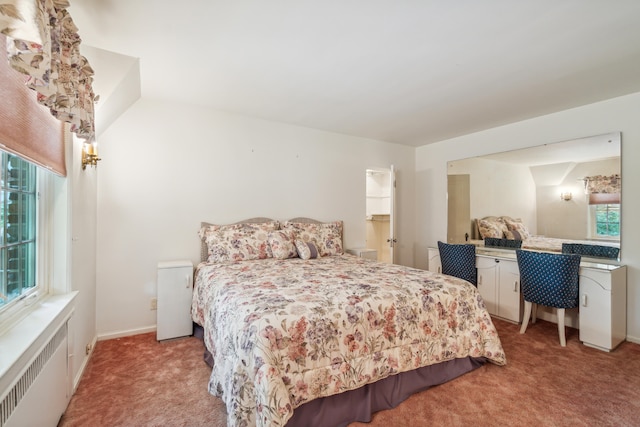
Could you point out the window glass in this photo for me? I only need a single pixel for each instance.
(18, 219)
(607, 220)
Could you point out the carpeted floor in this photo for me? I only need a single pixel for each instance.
(136, 381)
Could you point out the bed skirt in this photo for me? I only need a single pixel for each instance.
(360, 404)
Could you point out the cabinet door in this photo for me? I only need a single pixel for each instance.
(435, 265)
(595, 309)
(509, 299)
(174, 302)
(487, 276)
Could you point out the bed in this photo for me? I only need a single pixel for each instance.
(500, 231)
(301, 333)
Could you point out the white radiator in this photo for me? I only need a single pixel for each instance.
(39, 394)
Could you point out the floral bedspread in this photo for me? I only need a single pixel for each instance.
(284, 332)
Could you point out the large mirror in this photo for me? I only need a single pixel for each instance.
(560, 192)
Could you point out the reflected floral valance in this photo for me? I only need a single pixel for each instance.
(43, 43)
(603, 189)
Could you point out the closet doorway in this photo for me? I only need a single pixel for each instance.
(380, 196)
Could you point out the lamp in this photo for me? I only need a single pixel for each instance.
(566, 196)
(90, 155)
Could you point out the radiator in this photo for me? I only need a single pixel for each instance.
(39, 394)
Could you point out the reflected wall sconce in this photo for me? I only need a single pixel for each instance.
(90, 155)
(566, 196)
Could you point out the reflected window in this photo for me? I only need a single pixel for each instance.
(606, 220)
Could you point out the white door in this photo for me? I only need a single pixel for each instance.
(392, 207)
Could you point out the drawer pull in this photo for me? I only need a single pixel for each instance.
(584, 300)
(515, 286)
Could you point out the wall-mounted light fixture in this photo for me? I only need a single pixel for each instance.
(566, 196)
(90, 155)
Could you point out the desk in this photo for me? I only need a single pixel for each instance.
(602, 311)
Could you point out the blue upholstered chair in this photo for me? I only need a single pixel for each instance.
(594, 251)
(550, 280)
(459, 260)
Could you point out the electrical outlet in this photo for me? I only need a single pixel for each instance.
(88, 349)
(154, 303)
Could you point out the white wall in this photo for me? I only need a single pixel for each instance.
(567, 219)
(618, 114)
(83, 218)
(168, 167)
(499, 189)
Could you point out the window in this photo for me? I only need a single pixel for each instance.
(18, 220)
(606, 220)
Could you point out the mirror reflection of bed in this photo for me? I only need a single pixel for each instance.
(549, 188)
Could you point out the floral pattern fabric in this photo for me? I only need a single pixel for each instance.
(492, 227)
(284, 332)
(603, 184)
(238, 242)
(282, 244)
(326, 236)
(43, 43)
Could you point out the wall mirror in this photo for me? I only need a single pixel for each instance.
(560, 192)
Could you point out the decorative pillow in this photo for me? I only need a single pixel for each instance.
(206, 228)
(282, 244)
(237, 244)
(489, 228)
(518, 228)
(326, 236)
(306, 250)
(514, 235)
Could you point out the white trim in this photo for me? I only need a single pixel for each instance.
(126, 333)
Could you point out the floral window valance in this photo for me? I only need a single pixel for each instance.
(603, 188)
(43, 43)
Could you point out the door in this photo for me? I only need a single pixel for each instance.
(458, 208)
(509, 299)
(380, 212)
(392, 207)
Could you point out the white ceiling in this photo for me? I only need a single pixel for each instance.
(411, 72)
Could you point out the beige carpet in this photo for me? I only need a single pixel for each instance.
(136, 381)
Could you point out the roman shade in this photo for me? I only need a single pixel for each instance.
(27, 128)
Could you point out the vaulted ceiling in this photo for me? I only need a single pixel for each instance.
(410, 72)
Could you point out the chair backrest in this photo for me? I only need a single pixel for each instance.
(549, 279)
(495, 242)
(459, 260)
(594, 251)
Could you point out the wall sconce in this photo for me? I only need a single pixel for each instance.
(566, 196)
(90, 155)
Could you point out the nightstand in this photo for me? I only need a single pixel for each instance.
(364, 253)
(175, 290)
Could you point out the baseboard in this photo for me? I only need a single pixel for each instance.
(634, 340)
(126, 333)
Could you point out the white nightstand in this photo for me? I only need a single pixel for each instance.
(175, 290)
(364, 253)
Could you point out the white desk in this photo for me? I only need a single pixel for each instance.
(602, 313)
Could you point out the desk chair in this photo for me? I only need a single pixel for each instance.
(459, 260)
(550, 280)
